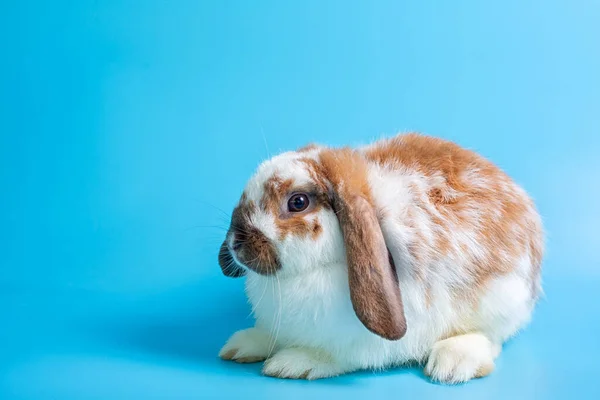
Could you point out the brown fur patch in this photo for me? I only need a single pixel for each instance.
(428, 155)
(276, 191)
(317, 229)
(241, 215)
(295, 225)
(435, 195)
(308, 147)
(347, 172)
(468, 191)
(316, 173)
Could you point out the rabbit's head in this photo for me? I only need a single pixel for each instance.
(313, 208)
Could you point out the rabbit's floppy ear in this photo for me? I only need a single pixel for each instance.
(374, 288)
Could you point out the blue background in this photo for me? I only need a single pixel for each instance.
(128, 129)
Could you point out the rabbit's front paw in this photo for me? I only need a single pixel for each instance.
(246, 346)
(301, 363)
(461, 358)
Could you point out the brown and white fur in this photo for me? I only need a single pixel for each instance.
(412, 249)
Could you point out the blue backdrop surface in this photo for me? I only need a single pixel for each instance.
(128, 129)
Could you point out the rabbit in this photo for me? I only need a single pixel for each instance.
(410, 250)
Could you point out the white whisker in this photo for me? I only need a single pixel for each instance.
(259, 300)
(278, 317)
(265, 141)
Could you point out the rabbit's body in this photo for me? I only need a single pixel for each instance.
(466, 243)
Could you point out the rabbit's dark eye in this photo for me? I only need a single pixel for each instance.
(298, 202)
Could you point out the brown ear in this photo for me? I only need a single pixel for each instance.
(227, 263)
(374, 288)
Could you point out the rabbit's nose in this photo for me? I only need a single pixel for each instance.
(238, 241)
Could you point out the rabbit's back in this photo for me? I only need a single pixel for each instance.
(464, 236)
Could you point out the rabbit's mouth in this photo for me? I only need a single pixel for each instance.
(247, 248)
(251, 249)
